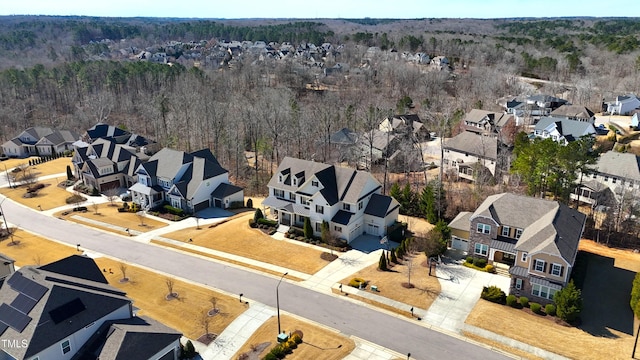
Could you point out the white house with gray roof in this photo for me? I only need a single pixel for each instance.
(615, 176)
(349, 200)
(469, 155)
(188, 181)
(39, 141)
(623, 104)
(538, 239)
(563, 130)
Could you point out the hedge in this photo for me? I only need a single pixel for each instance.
(511, 301)
(173, 210)
(524, 301)
(550, 309)
(535, 307)
(263, 221)
(493, 294)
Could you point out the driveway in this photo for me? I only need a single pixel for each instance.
(352, 319)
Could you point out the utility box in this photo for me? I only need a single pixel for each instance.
(283, 337)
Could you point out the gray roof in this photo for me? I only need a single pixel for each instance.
(223, 190)
(339, 184)
(344, 137)
(5, 258)
(548, 226)
(573, 111)
(478, 116)
(475, 144)
(379, 139)
(570, 129)
(461, 221)
(622, 165)
(381, 205)
(68, 305)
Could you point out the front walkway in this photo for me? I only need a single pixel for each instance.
(348, 263)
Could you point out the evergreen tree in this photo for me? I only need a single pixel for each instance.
(568, 302)
(308, 230)
(69, 173)
(428, 204)
(382, 263)
(257, 215)
(325, 233)
(395, 192)
(394, 259)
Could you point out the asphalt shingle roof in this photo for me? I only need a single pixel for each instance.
(475, 144)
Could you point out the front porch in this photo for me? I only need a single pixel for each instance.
(502, 252)
(285, 212)
(145, 196)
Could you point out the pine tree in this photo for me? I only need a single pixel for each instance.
(382, 264)
(69, 173)
(568, 302)
(308, 230)
(428, 204)
(394, 259)
(258, 215)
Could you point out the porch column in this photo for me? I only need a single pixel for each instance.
(492, 253)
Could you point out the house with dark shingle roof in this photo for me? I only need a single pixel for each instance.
(67, 310)
(574, 112)
(471, 155)
(39, 140)
(536, 238)
(349, 200)
(188, 181)
(562, 129)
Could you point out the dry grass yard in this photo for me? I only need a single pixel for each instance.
(49, 197)
(389, 283)
(34, 250)
(236, 237)
(57, 166)
(317, 342)
(624, 259)
(148, 291)
(498, 345)
(109, 215)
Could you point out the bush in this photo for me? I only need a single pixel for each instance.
(524, 301)
(34, 188)
(173, 210)
(493, 294)
(550, 309)
(568, 302)
(270, 356)
(258, 215)
(252, 223)
(249, 203)
(299, 334)
(355, 282)
(535, 307)
(511, 301)
(469, 260)
(296, 338)
(75, 199)
(490, 268)
(480, 262)
(267, 222)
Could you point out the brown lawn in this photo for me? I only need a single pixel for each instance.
(624, 259)
(236, 237)
(50, 197)
(317, 342)
(57, 166)
(416, 225)
(567, 341)
(389, 283)
(498, 345)
(34, 250)
(148, 290)
(109, 215)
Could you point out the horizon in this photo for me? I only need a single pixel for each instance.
(330, 9)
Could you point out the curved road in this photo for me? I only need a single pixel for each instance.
(391, 332)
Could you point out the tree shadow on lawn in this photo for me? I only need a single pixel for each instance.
(605, 295)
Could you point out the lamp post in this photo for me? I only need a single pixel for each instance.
(278, 301)
(4, 220)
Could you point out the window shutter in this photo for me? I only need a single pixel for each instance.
(561, 270)
(544, 267)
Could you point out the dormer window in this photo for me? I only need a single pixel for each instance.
(346, 207)
(314, 183)
(295, 182)
(279, 178)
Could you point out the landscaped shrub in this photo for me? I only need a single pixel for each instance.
(270, 356)
(249, 203)
(490, 268)
(355, 282)
(252, 223)
(535, 307)
(568, 302)
(299, 334)
(173, 210)
(550, 309)
(257, 215)
(469, 259)
(511, 301)
(493, 294)
(271, 223)
(307, 229)
(524, 301)
(34, 188)
(297, 338)
(75, 199)
(480, 262)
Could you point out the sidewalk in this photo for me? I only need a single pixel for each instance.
(348, 263)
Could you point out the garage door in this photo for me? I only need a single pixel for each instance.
(373, 229)
(459, 244)
(110, 185)
(201, 206)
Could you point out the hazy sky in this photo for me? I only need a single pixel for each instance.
(321, 9)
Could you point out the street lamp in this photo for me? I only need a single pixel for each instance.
(278, 301)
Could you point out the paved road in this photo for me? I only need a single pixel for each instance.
(352, 319)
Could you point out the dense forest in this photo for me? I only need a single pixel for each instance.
(72, 72)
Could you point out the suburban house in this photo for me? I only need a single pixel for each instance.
(404, 153)
(105, 165)
(39, 141)
(486, 122)
(67, 310)
(574, 112)
(341, 146)
(188, 181)
(563, 130)
(349, 200)
(7, 267)
(615, 177)
(622, 105)
(460, 231)
(375, 145)
(408, 125)
(536, 238)
(471, 155)
(528, 109)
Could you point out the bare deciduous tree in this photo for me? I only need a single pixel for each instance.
(170, 283)
(123, 269)
(112, 195)
(141, 215)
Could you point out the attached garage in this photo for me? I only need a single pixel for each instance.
(109, 185)
(459, 243)
(226, 194)
(201, 206)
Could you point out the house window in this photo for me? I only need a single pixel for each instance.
(556, 269)
(292, 196)
(483, 228)
(538, 265)
(279, 178)
(295, 182)
(304, 200)
(606, 178)
(593, 176)
(320, 209)
(314, 183)
(518, 284)
(337, 228)
(505, 231)
(481, 249)
(319, 227)
(346, 207)
(278, 193)
(360, 205)
(613, 180)
(524, 257)
(543, 291)
(66, 346)
(518, 233)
